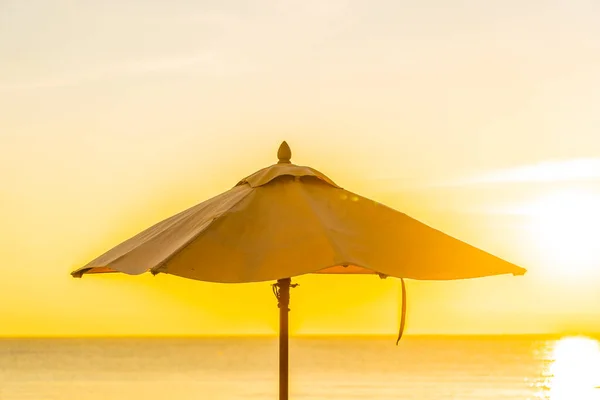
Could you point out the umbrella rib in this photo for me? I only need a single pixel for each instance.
(173, 220)
(162, 265)
(325, 232)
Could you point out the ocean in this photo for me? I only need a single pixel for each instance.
(357, 368)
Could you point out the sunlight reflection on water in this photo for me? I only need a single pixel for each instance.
(573, 371)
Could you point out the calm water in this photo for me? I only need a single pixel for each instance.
(333, 368)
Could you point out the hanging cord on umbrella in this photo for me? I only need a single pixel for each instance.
(403, 315)
(275, 287)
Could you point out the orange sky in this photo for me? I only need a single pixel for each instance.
(480, 120)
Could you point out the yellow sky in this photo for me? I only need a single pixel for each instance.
(481, 120)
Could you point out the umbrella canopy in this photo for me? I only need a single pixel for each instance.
(288, 220)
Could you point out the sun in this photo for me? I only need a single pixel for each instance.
(565, 230)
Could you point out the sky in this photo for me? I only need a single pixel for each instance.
(478, 118)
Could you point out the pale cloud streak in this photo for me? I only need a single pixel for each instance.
(559, 194)
(205, 63)
(579, 169)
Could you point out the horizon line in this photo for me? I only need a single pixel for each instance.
(326, 335)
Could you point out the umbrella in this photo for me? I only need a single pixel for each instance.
(288, 220)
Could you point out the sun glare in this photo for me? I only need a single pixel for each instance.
(575, 370)
(565, 228)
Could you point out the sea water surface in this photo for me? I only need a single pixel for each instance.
(420, 368)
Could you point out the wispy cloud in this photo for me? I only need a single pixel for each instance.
(580, 169)
(560, 180)
(206, 63)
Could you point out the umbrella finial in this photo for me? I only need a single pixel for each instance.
(284, 153)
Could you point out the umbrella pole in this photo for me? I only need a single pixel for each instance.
(284, 302)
